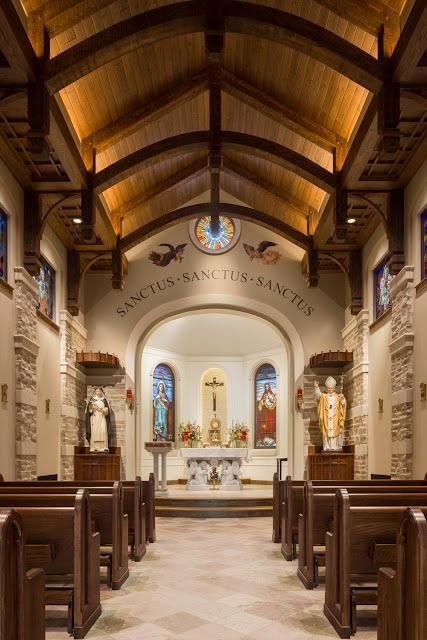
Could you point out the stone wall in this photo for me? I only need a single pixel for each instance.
(26, 351)
(73, 392)
(355, 338)
(402, 356)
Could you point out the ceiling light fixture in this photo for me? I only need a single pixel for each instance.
(77, 220)
(351, 220)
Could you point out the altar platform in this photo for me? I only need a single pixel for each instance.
(253, 500)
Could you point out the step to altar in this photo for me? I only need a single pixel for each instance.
(251, 501)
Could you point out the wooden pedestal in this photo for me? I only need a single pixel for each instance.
(331, 465)
(96, 466)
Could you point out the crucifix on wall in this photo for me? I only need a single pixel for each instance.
(214, 384)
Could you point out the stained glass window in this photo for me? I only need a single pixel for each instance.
(382, 280)
(424, 245)
(3, 245)
(214, 241)
(163, 403)
(265, 407)
(46, 284)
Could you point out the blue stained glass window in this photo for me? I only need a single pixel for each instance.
(424, 244)
(382, 281)
(46, 284)
(163, 396)
(265, 407)
(3, 245)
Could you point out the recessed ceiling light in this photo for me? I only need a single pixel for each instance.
(77, 220)
(351, 220)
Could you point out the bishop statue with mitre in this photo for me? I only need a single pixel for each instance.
(331, 409)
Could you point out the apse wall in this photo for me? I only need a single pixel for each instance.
(239, 371)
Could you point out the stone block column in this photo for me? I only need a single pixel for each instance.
(402, 357)
(26, 352)
(73, 392)
(355, 338)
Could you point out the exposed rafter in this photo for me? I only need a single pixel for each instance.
(61, 16)
(154, 109)
(370, 16)
(192, 211)
(278, 111)
(189, 17)
(181, 177)
(186, 142)
(242, 174)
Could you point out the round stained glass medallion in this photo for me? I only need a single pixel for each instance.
(215, 240)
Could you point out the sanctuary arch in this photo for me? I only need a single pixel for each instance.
(136, 423)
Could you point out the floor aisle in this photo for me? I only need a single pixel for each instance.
(213, 579)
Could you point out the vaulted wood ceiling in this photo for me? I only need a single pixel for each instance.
(308, 111)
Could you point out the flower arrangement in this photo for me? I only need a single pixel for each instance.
(214, 474)
(238, 432)
(189, 431)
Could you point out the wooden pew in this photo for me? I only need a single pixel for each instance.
(22, 608)
(278, 500)
(293, 502)
(363, 540)
(107, 513)
(317, 516)
(140, 527)
(63, 539)
(402, 593)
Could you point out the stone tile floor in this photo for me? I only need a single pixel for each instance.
(210, 579)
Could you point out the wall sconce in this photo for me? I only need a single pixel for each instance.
(47, 405)
(129, 399)
(4, 389)
(300, 399)
(380, 405)
(423, 391)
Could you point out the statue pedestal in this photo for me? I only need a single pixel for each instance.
(331, 465)
(159, 449)
(96, 466)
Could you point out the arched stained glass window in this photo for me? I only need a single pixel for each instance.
(265, 407)
(3, 245)
(163, 396)
(382, 281)
(46, 284)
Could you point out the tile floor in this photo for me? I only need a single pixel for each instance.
(210, 579)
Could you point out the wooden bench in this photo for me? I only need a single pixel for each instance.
(141, 514)
(363, 540)
(107, 513)
(62, 539)
(402, 593)
(22, 593)
(293, 503)
(317, 516)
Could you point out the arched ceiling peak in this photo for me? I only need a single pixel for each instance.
(190, 17)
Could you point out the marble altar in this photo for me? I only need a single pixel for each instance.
(228, 461)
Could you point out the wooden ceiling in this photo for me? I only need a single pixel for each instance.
(309, 112)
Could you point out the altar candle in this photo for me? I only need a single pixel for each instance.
(244, 436)
(186, 436)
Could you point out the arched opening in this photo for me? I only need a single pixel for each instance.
(197, 344)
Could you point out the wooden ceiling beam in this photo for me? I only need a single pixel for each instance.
(196, 140)
(307, 37)
(16, 48)
(242, 174)
(371, 16)
(61, 16)
(190, 17)
(192, 211)
(154, 109)
(179, 178)
(147, 157)
(283, 156)
(278, 111)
